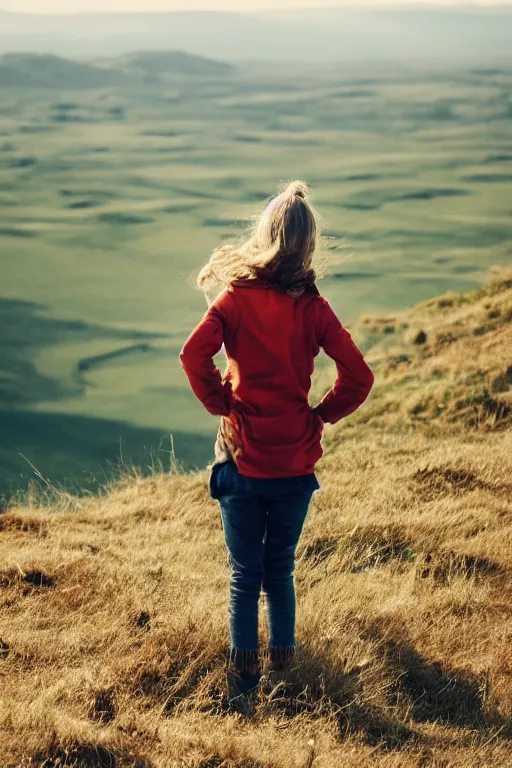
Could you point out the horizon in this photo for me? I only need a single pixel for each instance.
(73, 7)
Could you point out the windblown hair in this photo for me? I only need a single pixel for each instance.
(280, 248)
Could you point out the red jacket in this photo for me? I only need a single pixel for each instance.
(271, 341)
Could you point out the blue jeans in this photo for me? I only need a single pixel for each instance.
(262, 521)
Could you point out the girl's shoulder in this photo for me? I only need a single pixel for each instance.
(223, 303)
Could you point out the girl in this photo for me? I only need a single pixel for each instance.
(272, 322)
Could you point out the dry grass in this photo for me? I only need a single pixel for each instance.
(444, 365)
(113, 609)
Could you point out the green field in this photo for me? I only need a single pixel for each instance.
(110, 200)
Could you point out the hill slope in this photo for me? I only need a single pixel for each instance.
(48, 71)
(113, 609)
(170, 63)
(55, 72)
(13, 78)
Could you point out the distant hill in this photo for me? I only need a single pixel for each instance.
(169, 62)
(13, 78)
(45, 70)
(367, 34)
(48, 71)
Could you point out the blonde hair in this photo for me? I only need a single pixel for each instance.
(280, 248)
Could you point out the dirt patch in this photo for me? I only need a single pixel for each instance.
(38, 579)
(142, 620)
(4, 649)
(34, 578)
(434, 482)
(102, 708)
(420, 338)
(443, 567)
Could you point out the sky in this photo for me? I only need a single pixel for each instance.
(76, 6)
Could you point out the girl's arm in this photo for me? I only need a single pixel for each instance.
(355, 378)
(197, 361)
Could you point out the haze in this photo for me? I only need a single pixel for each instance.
(77, 6)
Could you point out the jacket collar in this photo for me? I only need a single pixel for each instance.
(268, 285)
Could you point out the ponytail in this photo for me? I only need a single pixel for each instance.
(296, 189)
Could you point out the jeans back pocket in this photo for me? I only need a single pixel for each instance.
(217, 484)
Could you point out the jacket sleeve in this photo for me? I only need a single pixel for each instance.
(196, 358)
(355, 378)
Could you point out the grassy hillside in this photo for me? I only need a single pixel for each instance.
(113, 608)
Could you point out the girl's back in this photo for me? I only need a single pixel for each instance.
(270, 344)
(271, 339)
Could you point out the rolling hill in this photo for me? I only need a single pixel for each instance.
(113, 629)
(13, 78)
(48, 71)
(166, 62)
